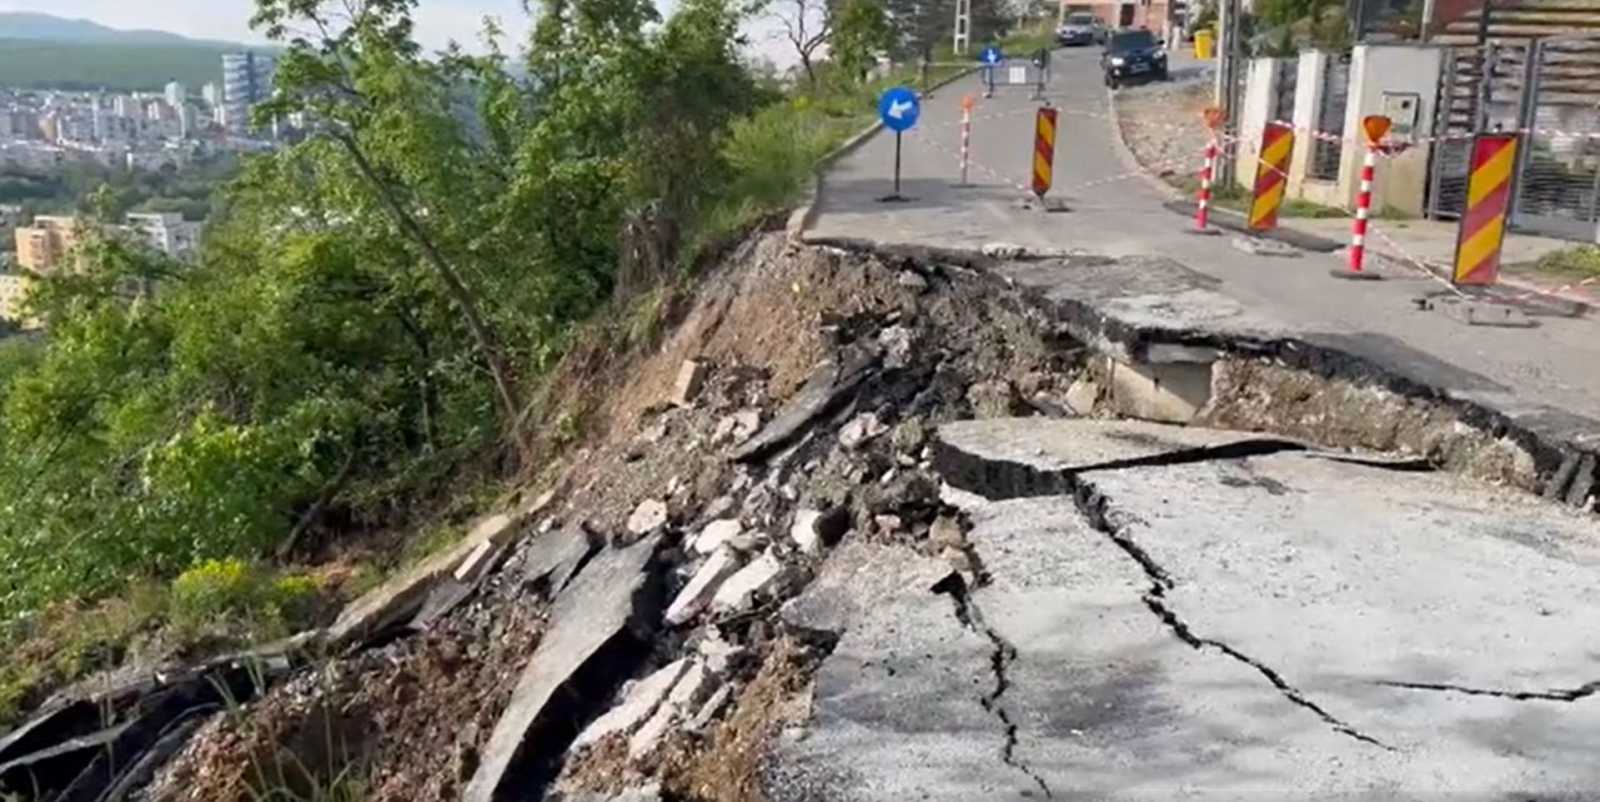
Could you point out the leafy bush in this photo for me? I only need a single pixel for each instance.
(219, 591)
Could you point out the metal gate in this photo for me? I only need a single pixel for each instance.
(1546, 89)
(1328, 147)
(1283, 83)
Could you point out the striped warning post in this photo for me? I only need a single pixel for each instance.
(1272, 174)
(1483, 224)
(1044, 150)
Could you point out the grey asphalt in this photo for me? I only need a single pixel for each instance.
(1544, 378)
(1276, 626)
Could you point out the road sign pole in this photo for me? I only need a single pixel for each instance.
(1202, 210)
(897, 166)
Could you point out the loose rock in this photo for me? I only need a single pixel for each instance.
(703, 587)
(717, 533)
(738, 593)
(862, 428)
(691, 378)
(638, 704)
(650, 515)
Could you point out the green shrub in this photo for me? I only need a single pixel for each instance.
(218, 593)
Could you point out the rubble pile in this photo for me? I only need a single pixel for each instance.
(620, 633)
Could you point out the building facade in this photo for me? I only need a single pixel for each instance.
(1116, 14)
(165, 232)
(44, 246)
(246, 81)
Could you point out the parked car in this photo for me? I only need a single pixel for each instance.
(1081, 29)
(1133, 54)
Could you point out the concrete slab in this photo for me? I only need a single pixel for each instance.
(896, 706)
(1080, 444)
(1428, 633)
(600, 604)
(641, 700)
(555, 556)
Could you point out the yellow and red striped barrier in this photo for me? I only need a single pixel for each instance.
(1483, 223)
(1272, 174)
(1044, 150)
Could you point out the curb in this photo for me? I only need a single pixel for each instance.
(1230, 220)
(805, 215)
(1129, 160)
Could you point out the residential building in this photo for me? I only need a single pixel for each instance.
(211, 93)
(165, 232)
(246, 81)
(45, 245)
(176, 94)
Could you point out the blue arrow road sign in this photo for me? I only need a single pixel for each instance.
(899, 108)
(991, 55)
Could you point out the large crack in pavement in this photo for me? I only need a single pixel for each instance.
(1553, 695)
(1004, 653)
(1001, 479)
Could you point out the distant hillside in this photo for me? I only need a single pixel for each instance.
(67, 65)
(50, 28)
(41, 51)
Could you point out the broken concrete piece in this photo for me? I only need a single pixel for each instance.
(720, 655)
(946, 533)
(397, 599)
(738, 426)
(587, 617)
(1002, 250)
(738, 593)
(692, 688)
(691, 377)
(859, 430)
(1257, 246)
(650, 515)
(813, 530)
(709, 711)
(637, 705)
(694, 597)
(444, 597)
(898, 343)
(831, 381)
(1082, 396)
(555, 556)
(717, 533)
(1168, 393)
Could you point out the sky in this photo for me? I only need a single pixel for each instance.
(438, 21)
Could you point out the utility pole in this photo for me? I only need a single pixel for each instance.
(963, 26)
(1227, 78)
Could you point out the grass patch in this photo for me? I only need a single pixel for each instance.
(1576, 262)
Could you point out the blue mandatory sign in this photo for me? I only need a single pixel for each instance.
(899, 108)
(991, 56)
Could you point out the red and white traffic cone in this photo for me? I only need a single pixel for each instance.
(1358, 227)
(1202, 209)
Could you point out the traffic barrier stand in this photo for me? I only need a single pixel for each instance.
(1272, 174)
(1483, 223)
(1044, 156)
(1375, 126)
(1202, 208)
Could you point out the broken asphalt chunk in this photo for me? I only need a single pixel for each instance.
(636, 707)
(596, 610)
(696, 595)
(829, 384)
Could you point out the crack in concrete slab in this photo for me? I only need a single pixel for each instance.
(1554, 695)
(1000, 659)
(1001, 479)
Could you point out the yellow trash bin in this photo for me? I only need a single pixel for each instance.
(1204, 43)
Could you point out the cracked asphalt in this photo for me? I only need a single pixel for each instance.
(1208, 617)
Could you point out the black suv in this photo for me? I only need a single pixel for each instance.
(1133, 54)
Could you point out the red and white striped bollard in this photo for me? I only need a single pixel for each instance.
(1375, 126)
(1202, 209)
(966, 139)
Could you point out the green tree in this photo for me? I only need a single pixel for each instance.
(367, 85)
(863, 30)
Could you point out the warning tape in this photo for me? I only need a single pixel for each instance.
(1229, 142)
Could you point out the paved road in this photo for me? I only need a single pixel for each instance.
(1280, 626)
(1544, 378)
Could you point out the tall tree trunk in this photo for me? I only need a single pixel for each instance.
(482, 331)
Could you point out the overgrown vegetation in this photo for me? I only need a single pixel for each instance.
(1578, 261)
(362, 338)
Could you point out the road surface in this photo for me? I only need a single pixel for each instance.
(1542, 378)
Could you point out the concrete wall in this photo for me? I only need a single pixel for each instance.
(1255, 111)
(1401, 180)
(1307, 99)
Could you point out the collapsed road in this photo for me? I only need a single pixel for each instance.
(869, 526)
